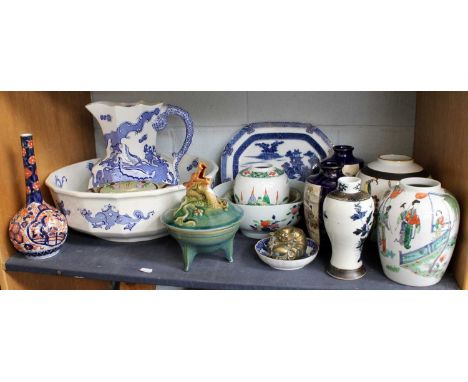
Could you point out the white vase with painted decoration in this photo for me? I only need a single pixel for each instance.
(348, 214)
(417, 230)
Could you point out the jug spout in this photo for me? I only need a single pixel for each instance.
(102, 111)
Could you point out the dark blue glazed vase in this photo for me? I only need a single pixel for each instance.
(316, 188)
(344, 156)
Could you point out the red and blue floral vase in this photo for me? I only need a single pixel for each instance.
(38, 230)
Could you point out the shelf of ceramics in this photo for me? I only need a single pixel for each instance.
(105, 260)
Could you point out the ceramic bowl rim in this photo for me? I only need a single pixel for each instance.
(127, 104)
(396, 158)
(114, 196)
(288, 205)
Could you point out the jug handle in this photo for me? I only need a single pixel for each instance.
(174, 110)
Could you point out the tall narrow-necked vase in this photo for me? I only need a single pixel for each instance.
(347, 213)
(38, 230)
(130, 132)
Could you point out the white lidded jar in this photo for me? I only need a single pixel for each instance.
(417, 230)
(261, 185)
(348, 214)
(386, 171)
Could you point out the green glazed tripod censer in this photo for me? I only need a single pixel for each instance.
(203, 223)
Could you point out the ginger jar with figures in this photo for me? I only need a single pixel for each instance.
(416, 231)
(383, 174)
(348, 214)
(263, 185)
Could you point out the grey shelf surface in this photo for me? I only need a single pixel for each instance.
(89, 257)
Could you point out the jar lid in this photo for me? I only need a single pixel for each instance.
(217, 218)
(395, 163)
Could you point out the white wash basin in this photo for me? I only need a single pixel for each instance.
(124, 217)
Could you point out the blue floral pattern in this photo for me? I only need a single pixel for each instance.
(59, 182)
(364, 230)
(193, 165)
(63, 210)
(105, 117)
(227, 150)
(295, 168)
(269, 150)
(276, 146)
(342, 187)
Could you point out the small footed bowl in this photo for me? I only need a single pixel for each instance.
(286, 265)
(259, 221)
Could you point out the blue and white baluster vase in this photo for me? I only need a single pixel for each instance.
(348, 214)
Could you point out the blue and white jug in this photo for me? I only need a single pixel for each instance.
(130, 131)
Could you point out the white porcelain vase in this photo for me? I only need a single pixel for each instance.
(261, 186)
(417, 230)
(348, 215)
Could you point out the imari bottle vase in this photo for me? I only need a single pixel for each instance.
(37, 230)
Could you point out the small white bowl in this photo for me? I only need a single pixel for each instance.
(286, 265)
(259, 221)
(122, 217)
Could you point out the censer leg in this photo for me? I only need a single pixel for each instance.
(189, 253)
(228, 248)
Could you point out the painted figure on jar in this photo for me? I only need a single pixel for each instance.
(410, 224)
(383, 224)
(439, 223)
